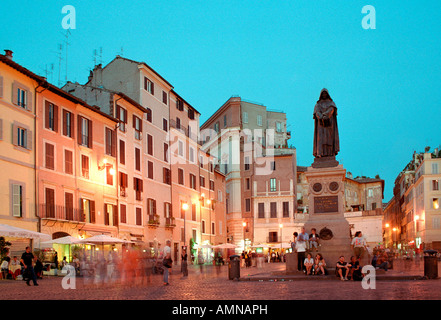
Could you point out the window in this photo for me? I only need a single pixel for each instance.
(150, 169)
(137, 125)
(272, 237)
(50, 202)
(193, 211)
(247, 183)
(137, 159)
(88, 210)
(110, 142)
(51, 116)
(278, 126)
(273, 165)
(180, 148)
(245, 117)
(285, 209)
(151, 208)
(374, 206)
(216, 127)
(121, 115)
(21, 98)
(85, 166)
(201, 161)
(273, 186)
(192, 181)
(123, 213)
(190, 114)
(247, 205)
(179, 104)
(164, 97)
(166, 176)
(211, 185)
(370, 192)
(68, 162)
(122, 152)
(261, 210)
(108, 214)
(165, 125)
(149, 145)
(84, 132)
(211, 166)
(273, 209)
(203, 226)
(148, 115)
(138, 217)
(68, 124)
(219, 195)
(191, 154)
(109, 176)
(435, 185)
(149, 86)
(123, 183)
(68, 205)
(435, 203)
(165, 152)
(167, 210)
(17, 200)
(138, 187)
(247, 163)
(436, 223)
(202, 181)
(180, 176)
(178, 123)
(259, 120)
(22, 137)
(434, 168)
(225, 121)
(213, 228)
(49, 156)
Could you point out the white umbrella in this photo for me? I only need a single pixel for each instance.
(14, 232)
(103, 239)
(225, 246)
(204, 246)
(63, 240)
(285, 245)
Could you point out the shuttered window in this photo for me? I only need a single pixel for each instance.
(138, 216)
(137, 159)
(17, 200)
(68, 205)
(122, 152)
(68, 124)
(68, 162)
(49, 156)
(123, 214)
(84, 132)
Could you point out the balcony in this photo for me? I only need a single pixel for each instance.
(153, 220)
(170, 222)
(62, 213)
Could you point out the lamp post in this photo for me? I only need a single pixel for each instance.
(281, 237)
(185, 208)
(244, 224)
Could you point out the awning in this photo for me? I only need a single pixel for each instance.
(15, 232)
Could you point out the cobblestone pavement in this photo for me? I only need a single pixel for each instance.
(213, 284)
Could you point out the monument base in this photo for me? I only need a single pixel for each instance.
(325, 162)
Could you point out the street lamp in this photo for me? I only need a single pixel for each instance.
(244, 224)
(185, 208)
(281, 237)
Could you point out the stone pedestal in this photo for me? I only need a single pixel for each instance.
(291, 262)
(326, 212)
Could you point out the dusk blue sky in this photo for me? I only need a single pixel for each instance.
(280, 53)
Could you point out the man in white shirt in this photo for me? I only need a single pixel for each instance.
(166, 254)
(301, 249)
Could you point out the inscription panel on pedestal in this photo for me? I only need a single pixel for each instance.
(326, 204)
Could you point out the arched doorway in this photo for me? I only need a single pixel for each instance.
(59, 234)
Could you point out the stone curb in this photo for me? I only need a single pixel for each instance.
(289, 278)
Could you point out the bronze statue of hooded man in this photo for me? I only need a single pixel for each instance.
(326, 141)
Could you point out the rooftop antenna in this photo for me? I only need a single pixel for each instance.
(60, 58)
(49, 71)
(121, 53)
(67, 45)
(97, 58)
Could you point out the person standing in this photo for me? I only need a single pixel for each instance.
(358, 244)
(184, 266)
(27, 259)
(167, 261)
(301, 249)
(56, 262)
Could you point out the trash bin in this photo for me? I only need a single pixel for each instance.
(430, 264)
(234, 267)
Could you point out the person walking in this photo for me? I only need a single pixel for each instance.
(167, 261)
(184, 266)
(27, 259)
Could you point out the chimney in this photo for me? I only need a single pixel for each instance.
(8, 54)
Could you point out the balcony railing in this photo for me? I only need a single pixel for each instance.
(153, 220)
(54, 212)
(170, 222)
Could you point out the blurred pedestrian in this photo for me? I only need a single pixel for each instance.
(27, 259)
(184, 266)
(167, 261)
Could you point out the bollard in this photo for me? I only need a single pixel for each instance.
(430, 264)
(234, 267)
